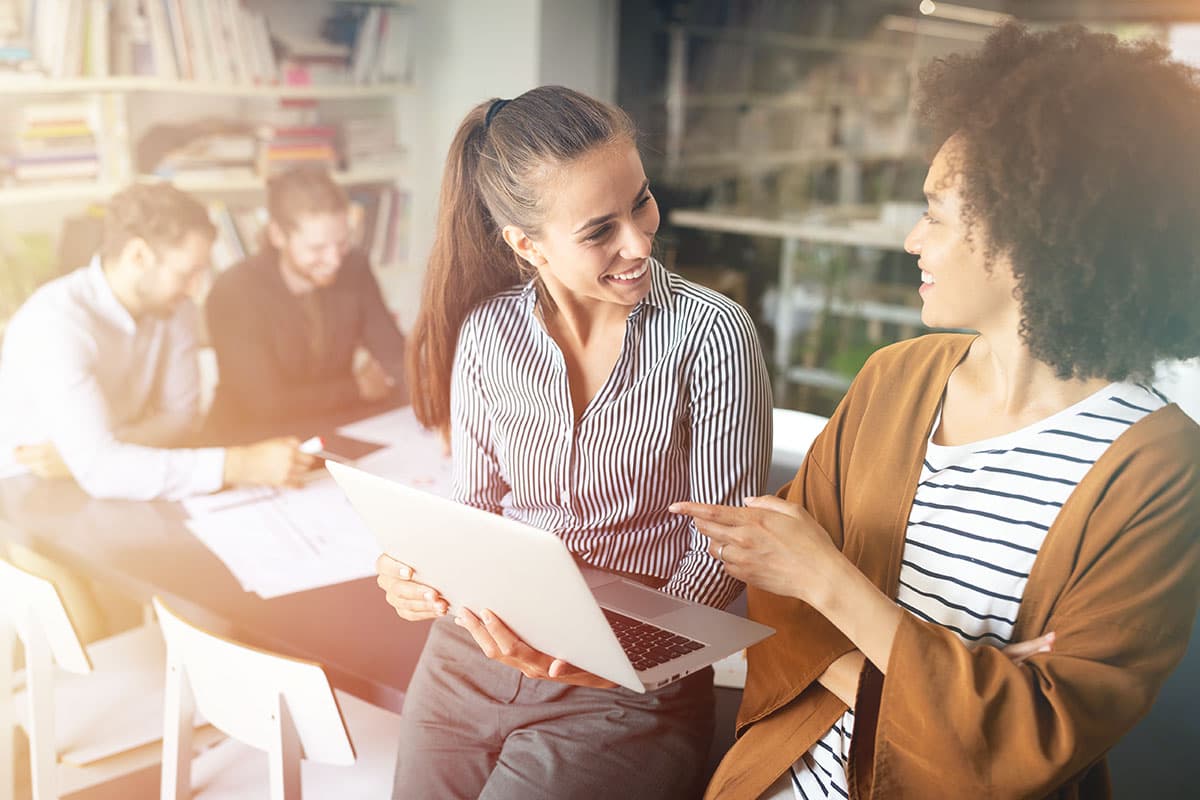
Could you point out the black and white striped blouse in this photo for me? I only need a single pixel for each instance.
(685, 414)
(978, 519)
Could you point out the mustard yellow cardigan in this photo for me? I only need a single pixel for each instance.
(1117, 579)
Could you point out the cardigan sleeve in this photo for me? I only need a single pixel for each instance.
(973, 723)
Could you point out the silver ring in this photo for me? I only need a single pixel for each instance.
(721, 553)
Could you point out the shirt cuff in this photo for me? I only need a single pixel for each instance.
(210, 469)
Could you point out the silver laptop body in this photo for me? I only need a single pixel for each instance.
(529, 579)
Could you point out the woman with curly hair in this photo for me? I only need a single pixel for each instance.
(1019, 484)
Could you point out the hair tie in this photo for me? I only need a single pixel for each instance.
(493, 110)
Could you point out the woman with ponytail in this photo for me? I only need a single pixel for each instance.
(583, 388)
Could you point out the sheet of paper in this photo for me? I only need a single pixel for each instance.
(292, 541)
(203, 504)
(389, 428)
(8, 464)
(279, 541)
(415, 456)
(407, 465)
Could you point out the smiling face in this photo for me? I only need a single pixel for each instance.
(312, 250)
(961, 287)
(596, 238)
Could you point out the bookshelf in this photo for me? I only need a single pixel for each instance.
(721, 122)
(171, 78)
(798, 295)
(134, 84)
(783, 139)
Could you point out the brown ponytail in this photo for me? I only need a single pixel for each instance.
(493, 177)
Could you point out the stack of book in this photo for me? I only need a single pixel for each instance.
(217, 156)
(55, 141)
(284, 147)
(369, 141)
(306, 62)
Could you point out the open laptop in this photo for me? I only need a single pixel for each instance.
(612, 627)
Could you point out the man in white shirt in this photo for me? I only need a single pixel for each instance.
(98, 372)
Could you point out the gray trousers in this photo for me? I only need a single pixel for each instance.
(473, 728)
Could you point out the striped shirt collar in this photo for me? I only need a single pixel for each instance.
(659, 295)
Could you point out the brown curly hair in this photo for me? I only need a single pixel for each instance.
(1081, 157)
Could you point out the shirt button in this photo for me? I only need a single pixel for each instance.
(565, 497)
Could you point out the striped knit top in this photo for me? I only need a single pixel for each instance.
(685, 414)
(978, 519)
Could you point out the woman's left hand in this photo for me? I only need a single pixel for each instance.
(499, 643)
(770, 544)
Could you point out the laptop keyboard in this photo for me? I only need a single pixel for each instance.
(648, 645)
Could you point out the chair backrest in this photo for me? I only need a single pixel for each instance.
(793, 432)
(34, 609)
(282, 705)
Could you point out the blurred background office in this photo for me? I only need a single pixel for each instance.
(778, 135)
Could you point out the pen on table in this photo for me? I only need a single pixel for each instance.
(316, 447)
(312, 446)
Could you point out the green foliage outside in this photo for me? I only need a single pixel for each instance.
(26, 262)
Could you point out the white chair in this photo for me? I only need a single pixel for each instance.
(793, 432)
(268, 703)
(91, 714)
(1180, 381)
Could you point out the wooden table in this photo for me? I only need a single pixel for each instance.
(142, 549)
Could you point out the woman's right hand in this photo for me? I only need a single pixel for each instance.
(413, 601)
(1017, 652)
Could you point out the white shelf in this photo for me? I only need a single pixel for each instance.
(96, 191)
(255, 183)
(744, 163)
(56, 192)
(804, 300)
(790, 101)
(863, 235)
(793, 41)
(133, 84)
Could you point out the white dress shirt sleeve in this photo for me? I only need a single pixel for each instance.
(56, 366)
(176, 410)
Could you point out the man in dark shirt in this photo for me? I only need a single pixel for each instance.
(300, 328)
